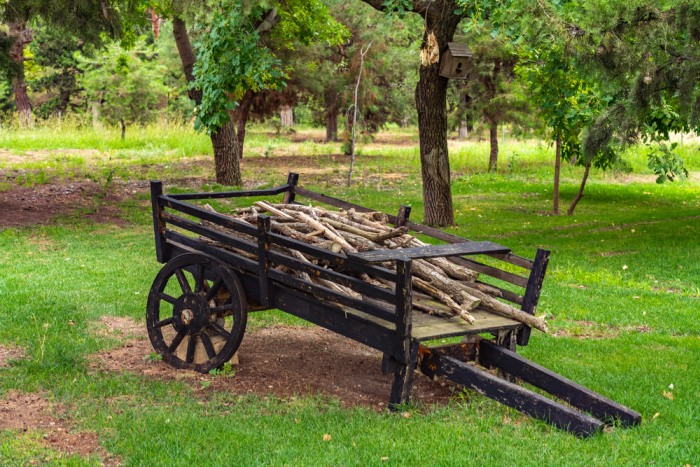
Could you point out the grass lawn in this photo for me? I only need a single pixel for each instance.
(622, 298)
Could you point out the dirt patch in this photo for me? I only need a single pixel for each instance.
(285, 362)
(9, 353)
(43, 203)
(593, 330)
(32, 412)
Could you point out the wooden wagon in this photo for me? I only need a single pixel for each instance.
(217, 269)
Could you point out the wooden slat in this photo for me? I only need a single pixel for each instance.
(429, 251)
(322, 293)
(493, 272)
(228, 240)
(427, 327)
(213, 217)
(231, 194)
(337, 261)
(232, 259)
(355, 284)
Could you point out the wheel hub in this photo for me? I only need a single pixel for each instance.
(190, 313)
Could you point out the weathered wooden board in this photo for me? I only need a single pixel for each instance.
(430, 251)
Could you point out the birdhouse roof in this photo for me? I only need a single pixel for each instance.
(458, 50)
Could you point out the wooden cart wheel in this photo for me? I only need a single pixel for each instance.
(196, 313)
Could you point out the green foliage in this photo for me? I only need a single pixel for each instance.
(127, 83)
(665, 163)
(232, 58)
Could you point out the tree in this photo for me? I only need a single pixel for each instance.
(441, 19)
(238, 54)
(90, 19)
(490, 89)
(127, 83)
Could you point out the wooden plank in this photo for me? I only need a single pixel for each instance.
(221, 237)
(158, 224)
(332, 318)
(427, 327)
(429, 251)
(506, 294)
(231, 194)
(404, 315)
(263, 264)
(574, 394)
(493, 272)
(358, 285)
(321, 293)
(532, 292)
(512, 395)
(213, 217)
(337, 261)
(338, 203)
(232, 259)
(292, 182)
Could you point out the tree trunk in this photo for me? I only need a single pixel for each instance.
(557, 169)
(228, 169)
(239, 116)
(579, 195)
(331, 116)
(123, 127)
(493, 157)
(287, 116)
(95, 111)
(463, 130)
(22, 36)
(226, 159)
(431, 101)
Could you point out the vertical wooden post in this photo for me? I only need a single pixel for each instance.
(406, 351)
(402, 216)
(292, 181)
(263, 265)
(158, 224)
(532, 292)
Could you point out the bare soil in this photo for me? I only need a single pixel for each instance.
(7, 354)
(281, 361)
(33, 412)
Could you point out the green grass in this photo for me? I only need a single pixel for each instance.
(624, 269)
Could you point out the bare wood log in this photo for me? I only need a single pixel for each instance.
(458, 308)
(272, 210)
(375, 237)
(491, 304)
(327, 231)
(456, 290)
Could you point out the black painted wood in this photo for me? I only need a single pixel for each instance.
(337, 261)
(292, 182)
(533, 290)
(221, 237)
(230, 194)
(582, 398)
(263, 264)
(429, 251)
(403, 378)
(158, 225)
(231, 259)
(213, 217)
(358, 285)
(402, 216)
(331, 296)
(334, 319)
(510, 394)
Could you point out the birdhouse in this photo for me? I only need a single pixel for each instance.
(455, 61)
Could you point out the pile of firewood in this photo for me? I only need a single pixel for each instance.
(351, 232)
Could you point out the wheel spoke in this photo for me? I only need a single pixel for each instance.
(184, 285)
(163, 323)
(168, 298)
(218, 309)
(219, 330)
(208, 346)
(214, 289)
(176, 341)
(191, 347)
(199, 279)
